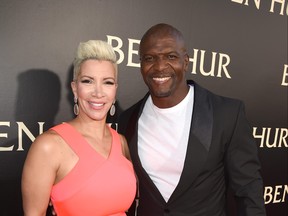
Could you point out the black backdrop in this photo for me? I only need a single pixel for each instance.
(237, 48)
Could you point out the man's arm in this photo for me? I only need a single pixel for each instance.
(243, 167)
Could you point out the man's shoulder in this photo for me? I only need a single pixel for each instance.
(215, 97)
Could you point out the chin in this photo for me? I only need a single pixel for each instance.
(162, 94)
(98, 117)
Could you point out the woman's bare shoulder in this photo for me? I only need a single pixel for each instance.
(48, 142)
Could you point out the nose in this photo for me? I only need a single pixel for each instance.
(98, 91)
(160, 64)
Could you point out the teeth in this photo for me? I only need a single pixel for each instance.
(97, 104)
(161, 79)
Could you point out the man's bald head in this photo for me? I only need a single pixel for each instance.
(160, 31)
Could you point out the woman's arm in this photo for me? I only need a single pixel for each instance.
(39, 174)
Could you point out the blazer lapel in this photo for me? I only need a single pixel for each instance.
(199, 140)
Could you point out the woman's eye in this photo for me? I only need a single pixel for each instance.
(109, 83)
(86, 81)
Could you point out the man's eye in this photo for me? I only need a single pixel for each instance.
(148, 58)
(171, 57)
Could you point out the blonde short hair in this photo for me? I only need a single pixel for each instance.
(93, 49)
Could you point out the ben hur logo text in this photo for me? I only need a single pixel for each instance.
(22, 130)
(275, 194)
(276, 6)
(268, 137)
(209, 64)
(285, 76)
(212, 64)
(271, 137)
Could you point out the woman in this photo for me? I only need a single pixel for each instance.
(80, 164)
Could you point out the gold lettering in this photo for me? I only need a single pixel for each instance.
(223, 66)
(5, 135)
(285, 76)
(257, 2)
(282, 2)
(117, 49)
(194, 61)
(261, 136)
(22, 128)
(132, 52)
(202, 57)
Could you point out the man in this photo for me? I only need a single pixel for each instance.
(187, 144)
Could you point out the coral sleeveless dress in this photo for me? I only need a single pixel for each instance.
(96, 186)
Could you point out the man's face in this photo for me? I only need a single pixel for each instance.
(163, 65)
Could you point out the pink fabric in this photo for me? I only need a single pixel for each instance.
(96, 186)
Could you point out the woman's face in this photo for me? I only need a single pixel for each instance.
(95, 89)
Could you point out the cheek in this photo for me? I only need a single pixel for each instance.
(145, 75)
(181, 68)
(180, 73)
(145, 68)
(111, 93)
(82, 92)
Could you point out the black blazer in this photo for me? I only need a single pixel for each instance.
(221, 152)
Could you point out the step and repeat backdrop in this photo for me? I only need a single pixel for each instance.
(237, 48)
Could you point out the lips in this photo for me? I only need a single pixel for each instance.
(96, 104)
(161, 80)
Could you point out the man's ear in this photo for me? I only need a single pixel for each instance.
(186, 62)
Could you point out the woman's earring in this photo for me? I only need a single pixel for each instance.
(76, 107)
(112, 109)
